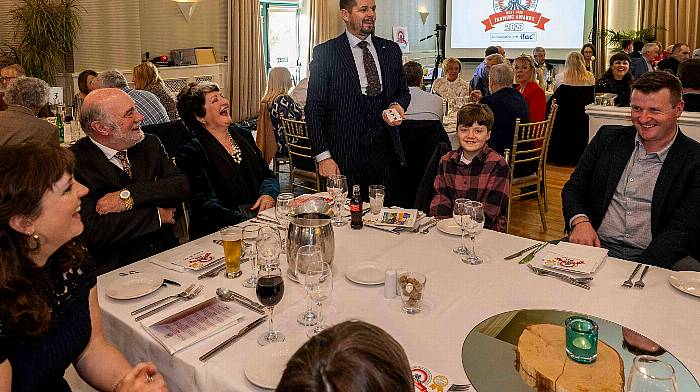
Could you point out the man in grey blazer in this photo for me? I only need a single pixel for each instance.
(635, 191)
(644, 64)
(353, 79)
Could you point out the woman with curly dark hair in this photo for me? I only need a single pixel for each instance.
(49, 314)
(617, 79)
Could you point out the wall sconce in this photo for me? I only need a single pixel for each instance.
(423, 15)
(186, 7)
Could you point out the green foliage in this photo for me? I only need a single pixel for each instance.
(614, 38)
(45, 30)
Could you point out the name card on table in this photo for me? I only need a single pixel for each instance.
(55, 95)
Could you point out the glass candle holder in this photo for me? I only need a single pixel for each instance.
(581, 339)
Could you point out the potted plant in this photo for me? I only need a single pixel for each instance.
(45, 31)
(615, 38)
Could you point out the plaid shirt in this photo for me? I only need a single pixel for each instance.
(149, 106)
(485, 180)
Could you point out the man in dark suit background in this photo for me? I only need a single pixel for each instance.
(353, 79)
(636, 189)
(134, 186)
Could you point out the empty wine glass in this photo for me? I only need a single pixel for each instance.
(337, 186)
(318, 283)
(459, 213)
(270, 289)
(650, 374)
(282, 209)
(474, 224)
(250, 253)
(307, 255)
(269, 247)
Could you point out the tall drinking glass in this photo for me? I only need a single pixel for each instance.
(318, 284)
(650, 374)
(283, 207)
(376, 198)
(474, 225)
(270, 289)
(337, 186)
(250, 253)
(232, 237)
(306, 256)
(459, 214)
(269, 247)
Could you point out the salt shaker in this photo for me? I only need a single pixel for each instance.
(390, 284)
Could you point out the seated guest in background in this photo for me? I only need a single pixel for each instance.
(679, 53)
(543, 69)
(298, 93)
(480, 79)
(134, 185)
(230, 180)
(49, 312)
(18, 124)
(147, 104)
(696, 54)
(507, 104)
(575, 72)
(350, 356)
(637, 46)
(473, 171)
(689, 74)
(279, 104)
(85, 82)
(423, 106)
(147, 78)
(588, 53)
(627, 46)
(645, 63)
(9, 74)
(502, 52)
(526, 83)
(617, 79)
(450, 85)
(649, 211)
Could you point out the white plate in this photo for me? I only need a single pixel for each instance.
(686, 281)
(267, 364)
(449, 226)
(365, 273)
(133, 285)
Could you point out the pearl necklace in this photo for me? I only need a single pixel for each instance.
(235, 150)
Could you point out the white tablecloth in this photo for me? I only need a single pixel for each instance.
(458, 297)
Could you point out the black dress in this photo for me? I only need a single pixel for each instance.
(38, 363)
(623, 88)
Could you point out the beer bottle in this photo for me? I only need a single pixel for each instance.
(59, 125)
(356, 208)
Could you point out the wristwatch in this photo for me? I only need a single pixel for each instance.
(125, 195)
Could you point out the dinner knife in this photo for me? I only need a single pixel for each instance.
(521, 252)
(232, 339)
(249, 301)
(568, 279)
(383, 228)
(532, 254)
(172, 282)
(213, 272)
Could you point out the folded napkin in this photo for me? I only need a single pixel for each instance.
(574, 258)
(192, 257)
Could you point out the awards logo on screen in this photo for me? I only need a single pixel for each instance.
(514, 13)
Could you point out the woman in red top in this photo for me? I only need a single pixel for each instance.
(527, 84)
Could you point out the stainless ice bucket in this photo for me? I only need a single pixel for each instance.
(309, 228)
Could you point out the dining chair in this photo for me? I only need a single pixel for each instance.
(302, 162)
(527, 160)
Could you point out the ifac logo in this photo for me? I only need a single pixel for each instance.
(515, 11)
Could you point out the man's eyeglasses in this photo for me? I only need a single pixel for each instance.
(8, 78)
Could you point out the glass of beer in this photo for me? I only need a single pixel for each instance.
(232, 237)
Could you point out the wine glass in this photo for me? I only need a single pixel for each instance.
(650, 374)
(337, 186)
(270, 289)
(459, 213)
(307, 255)
(318, 283)
(269, 246)
(250, 253)
(474, 224)
(282, 209)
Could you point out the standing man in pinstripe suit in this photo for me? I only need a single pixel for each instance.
(353, 79)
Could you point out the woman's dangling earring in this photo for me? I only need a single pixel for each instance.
(34, 242)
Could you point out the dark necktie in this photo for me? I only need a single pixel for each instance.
(374, 87)
(121, 155)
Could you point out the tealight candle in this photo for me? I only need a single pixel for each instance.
(581, 339)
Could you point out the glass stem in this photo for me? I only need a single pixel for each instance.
(320, 312)
(269, 324)
(464, 240)
(473, 238)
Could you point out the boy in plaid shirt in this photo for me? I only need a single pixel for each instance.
(473, 171)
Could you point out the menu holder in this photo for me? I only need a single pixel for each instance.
(396, 217)
(572, 258)
(193, 324)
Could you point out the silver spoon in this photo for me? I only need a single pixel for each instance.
(229, 296)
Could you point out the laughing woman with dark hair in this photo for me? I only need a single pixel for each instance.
(49, 312)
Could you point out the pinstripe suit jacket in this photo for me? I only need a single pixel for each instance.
(335, 106)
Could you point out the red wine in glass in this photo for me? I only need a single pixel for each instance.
(270, 290)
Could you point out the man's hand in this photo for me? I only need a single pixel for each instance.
(167, 215)
(476, 95)
(328, 167)
(540, 73)
(264, 202)
(400, 110)
(583, 233)
(110, 202)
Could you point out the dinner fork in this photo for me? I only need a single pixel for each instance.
(160, 301)
(158, 309)
(427, 228)
(640, 284)
(628, 282)
(459, 387)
